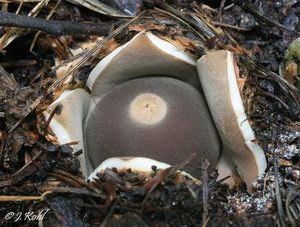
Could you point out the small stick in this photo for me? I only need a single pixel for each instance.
(205, 165)
(13, 198)
(8, 198)
(56, 110)
(7, 80)
(18, 63)
(268, 94)
(163, 174)
(291, 195)
(25, 171)
(47, 18)
(72, 190)
(53, 27)
(110, 213)
(229, 26)
(77, 180)
(277, 192)
(221, 7)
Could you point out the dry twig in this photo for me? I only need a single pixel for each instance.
(277, 192)
(53, 27)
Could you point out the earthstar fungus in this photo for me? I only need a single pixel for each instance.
(147, 106)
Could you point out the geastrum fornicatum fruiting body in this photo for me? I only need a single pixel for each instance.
(149, 103)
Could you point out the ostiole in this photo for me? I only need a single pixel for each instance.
(146, 101)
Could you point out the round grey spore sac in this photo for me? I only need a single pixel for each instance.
(160, 118)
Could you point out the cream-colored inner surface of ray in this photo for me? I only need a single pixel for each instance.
(147, 109)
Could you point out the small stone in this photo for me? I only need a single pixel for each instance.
(247, 21)
(66, 149)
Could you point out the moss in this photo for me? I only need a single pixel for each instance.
(293, 52)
